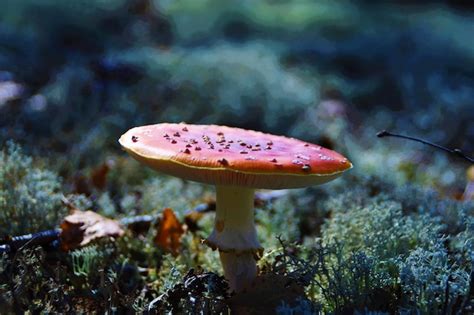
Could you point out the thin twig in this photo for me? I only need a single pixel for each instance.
(18, 242)
(458, 152)
(135, 223)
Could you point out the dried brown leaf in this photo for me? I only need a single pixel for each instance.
(99, 176)
(169, 232)
(82, 227)
(81, 185)
(191, 219)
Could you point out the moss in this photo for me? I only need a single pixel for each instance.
(381, 229)
(403, 246)
(30, 197)
(432, 283)
(167, 192)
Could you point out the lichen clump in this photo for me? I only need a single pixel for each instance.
(30, 196)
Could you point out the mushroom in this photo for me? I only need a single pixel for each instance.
(237, 162)
(469, 190)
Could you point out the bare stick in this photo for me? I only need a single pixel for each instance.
(458, 152)
(136, 223)
(40, 238)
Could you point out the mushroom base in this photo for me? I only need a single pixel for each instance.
(239, 270)
(235, 236)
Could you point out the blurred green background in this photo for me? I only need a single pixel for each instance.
(75, 75)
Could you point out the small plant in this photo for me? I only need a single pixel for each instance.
(85, 260)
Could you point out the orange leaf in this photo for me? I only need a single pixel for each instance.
(169, 232)
(82, 227)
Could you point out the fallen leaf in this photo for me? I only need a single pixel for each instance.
(169, 232)
(99, 176)
(81, 185)
(191, 219)
(82, 227)
(267, 292)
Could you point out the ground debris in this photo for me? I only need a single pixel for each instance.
(99, 175)
(198, 293)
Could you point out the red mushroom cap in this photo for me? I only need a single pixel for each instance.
(223, 155)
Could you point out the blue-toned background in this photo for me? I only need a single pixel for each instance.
(75, 75)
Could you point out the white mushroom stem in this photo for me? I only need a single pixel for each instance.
(235, 235)
(469, 191)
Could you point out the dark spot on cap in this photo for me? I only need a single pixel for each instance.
(185, 129)
(223, 161)
(173, 141)
(197, 148)
(243, 152)
(188, 145)
(176, 134)
(186, 151)
(134, 138)
(273, 160)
